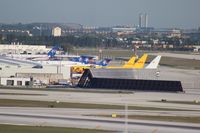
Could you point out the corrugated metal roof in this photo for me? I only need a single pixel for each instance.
(124, 73)
(11, 61)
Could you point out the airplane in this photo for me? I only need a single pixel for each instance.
(88, 59)
(130, 64)
(99, 64)
(154, 63)
(140, 63)
(103, 62)
(50, 54)
(85, 59)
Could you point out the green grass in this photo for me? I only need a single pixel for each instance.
(195, 102)
(69, 90)
(165, 61)
(106, 52)
(168, 118)
(53, 104)
(38, 129)
(180, 63)
(185, 119)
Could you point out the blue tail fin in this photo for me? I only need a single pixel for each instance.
(104, 62)
(52, 52)
(85, 59)
(77, 59)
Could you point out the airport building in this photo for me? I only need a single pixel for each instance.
(16, 65)
(128, 79)
(23, 49)
(49, 74)
(15, 81)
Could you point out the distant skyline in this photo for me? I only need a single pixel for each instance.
(161, 13)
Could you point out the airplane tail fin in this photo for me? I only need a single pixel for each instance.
(104, 62)
(154, 63)
(130, 62)
(75, 59)
(87, 59)
(52, 52)
(140, 63)
(84, 59)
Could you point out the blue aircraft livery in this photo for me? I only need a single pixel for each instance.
(52, 52)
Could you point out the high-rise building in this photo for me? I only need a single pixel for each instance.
(146, 20)
(143, 20)
(140, 20)
(56, 31)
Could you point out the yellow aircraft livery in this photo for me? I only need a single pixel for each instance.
(130, 64)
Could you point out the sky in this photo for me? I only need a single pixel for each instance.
(162, 13)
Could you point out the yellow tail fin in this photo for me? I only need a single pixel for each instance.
(140, 63)
(130, 62)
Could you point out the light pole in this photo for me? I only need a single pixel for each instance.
(126, 118)
(100, 54)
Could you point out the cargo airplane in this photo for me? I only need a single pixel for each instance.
(98, 64)
(131, 63)
(139, 64)
(154, 63)
(51, 55)
(103, 64)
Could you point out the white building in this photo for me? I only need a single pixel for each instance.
(19, 49)
(123, 29)
(47, 74)
(56, 32)
(15, 81)
(196, 48)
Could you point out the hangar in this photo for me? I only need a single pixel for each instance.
(127, 79)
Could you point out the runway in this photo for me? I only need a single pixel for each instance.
(90, 118)
(116, 124)
(93, 112)
(132, 99)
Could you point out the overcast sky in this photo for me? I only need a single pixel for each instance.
(162, 13)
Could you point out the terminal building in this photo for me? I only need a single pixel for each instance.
(48, 74)
(23, 49)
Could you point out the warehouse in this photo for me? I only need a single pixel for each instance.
(15, 81)
(127, 79)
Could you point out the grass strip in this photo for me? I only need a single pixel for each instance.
(195, 102)
(165, 61)
(185, 119)
(69, 90)
(57, 104)
(44, 129)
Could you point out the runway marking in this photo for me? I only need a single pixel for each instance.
(155, 131)
(103, 120)
(14, 124)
